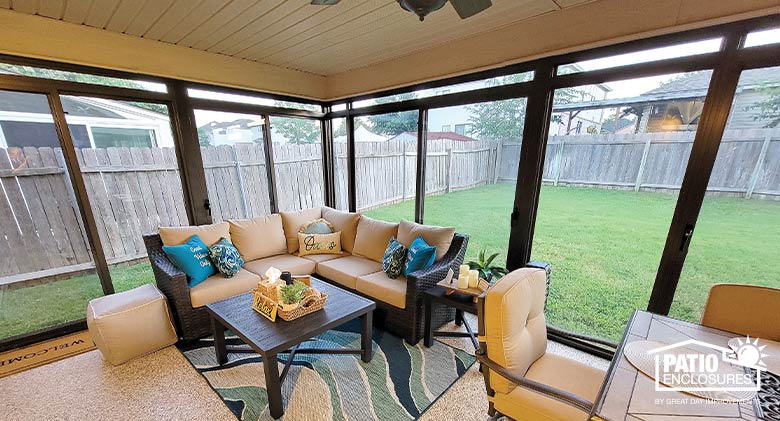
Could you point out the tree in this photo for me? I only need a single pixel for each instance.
(296, 130)
(392, 124)
(205, 139)
(768, 108)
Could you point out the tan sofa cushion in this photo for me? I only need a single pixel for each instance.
(379, 286)
(515, 330)
(130, 324)
(258, 237)
(217, 287)
(345, 270)
(439, 237)
(318, 258)
(284, 262)
(372, 237)
(210, 234)
(559, 372)
(345, 222)
(293, 221)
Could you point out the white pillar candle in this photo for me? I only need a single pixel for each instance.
(464, 270)
(463, 281)
(473, 278)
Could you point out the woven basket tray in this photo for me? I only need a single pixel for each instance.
(309, 304)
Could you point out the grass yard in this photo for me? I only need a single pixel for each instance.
(604, 246)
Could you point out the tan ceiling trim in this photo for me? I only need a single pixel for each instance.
(37, 37)
(590, 25)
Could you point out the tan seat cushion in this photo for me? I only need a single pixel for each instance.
(284, 262)
(345, 270)
(379, 286)
(559, 372)
(210, 234)
(318, 258)
(372, 237)
(515, 329)
(439, 237)
(258, 237)
(293, 221)
(129, 324)
(217, 287)
(345, 222)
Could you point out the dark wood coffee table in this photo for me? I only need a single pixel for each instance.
(271, 338)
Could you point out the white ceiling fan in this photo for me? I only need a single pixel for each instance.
(421, 8)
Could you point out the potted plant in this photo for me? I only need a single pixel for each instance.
(487, 270)
(291, 295)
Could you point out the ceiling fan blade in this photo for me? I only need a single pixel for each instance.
(324, 2)
(469, 8)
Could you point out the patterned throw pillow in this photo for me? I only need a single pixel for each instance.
(192, 258)
(420, 256)
(319, 243)
(394, 258)
(226, 258)
(317, 226)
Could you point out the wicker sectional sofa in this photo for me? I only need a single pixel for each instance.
(272, 241)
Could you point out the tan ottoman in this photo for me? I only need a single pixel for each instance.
(130, 324)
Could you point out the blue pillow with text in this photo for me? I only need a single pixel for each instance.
(192, 258)
(420, 255)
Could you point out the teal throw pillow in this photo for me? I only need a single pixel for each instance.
(192, 258)
(394, 259)
(226, 258)
(420, 256)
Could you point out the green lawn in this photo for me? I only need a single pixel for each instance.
(604, 246)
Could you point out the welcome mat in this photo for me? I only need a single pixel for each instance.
(399, 383)
(36, 355)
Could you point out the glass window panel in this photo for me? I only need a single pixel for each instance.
(44, 73)
(386, 165)
(615, 160)
(47, 274)
(250, 99)
(341, 172)
(297, 146)
(765, 37)
(737, 232)
(132, 179)
(470, 177)
(673, 51)
(233, 150)
(450, 89)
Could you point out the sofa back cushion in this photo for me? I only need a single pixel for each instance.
(439, 237)
(258, 237)
(345, 222)
(209, 234)
(293, 221)
(372, 238)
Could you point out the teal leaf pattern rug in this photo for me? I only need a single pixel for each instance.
(399, 383)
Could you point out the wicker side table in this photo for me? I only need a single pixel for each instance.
(460, 302)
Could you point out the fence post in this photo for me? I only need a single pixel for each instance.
(559, 162)
(403, 174)
(497, 166)
(72, 194)
(757, 168)
(642, 164)
(240, 178)
(448, 169)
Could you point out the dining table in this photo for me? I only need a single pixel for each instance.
(630, 394)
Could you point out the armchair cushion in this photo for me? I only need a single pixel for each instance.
(372, 238)
(556, 371)
(515, 329)
(345, 222)
(439, 237)
(210, 234)
(345, 270)
(217, 287)
(258, 237)
(379, 286)
(293, 221)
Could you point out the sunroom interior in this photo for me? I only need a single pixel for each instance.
(631, 150)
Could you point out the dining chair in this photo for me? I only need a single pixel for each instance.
(524, 381)
(744, 309)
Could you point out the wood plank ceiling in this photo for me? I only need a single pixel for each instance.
(322, 40)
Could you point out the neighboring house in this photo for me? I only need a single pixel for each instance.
(362, 134)
(26, 120)
(237, 131)
(412, 137)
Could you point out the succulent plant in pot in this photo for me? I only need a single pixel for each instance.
(291, 295)
(487, 270)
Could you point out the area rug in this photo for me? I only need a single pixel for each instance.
(36, 355)
(399, 383)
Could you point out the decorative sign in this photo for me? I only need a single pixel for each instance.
(265, 306)
(483, 285)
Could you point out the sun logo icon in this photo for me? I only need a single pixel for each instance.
(747, 353)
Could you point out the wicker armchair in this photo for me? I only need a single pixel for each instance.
(193, 323)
